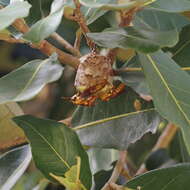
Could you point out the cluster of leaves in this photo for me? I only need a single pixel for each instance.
(158, 36)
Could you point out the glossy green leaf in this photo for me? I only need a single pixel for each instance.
(27, 81)
(171, 5)
(46, 26)
(160, 20)
(101, 178)
(136, 79)
(92, 14)
(113, 5)
(12, 166)
(13, 1)
(12, 12)
(101, 159)
(173, 178)
(40, 8)
(71, 180)
(144, 39)
(55, 147)
(4, 2)
(31, 181)
(57, 5)
(169, 86)
(180, 53)
(115, 125)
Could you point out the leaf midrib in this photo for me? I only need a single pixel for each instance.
(135, 37)
(27, 158)
(31, 79)
(110, 119)
(120, 6)
(46, 141)
(168, 88)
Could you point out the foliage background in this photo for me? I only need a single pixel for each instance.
(50, 104)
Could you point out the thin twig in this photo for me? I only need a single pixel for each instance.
(114, 186)
(21, 25)
(66, 44)
(67, 121)
(64, 58)
(166, 137)
(46, 47)
(163, 142)
(78, 39)
(79, 18)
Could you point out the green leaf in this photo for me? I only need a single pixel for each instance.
(40, 8)
(171, 5)
(101, 159)
(71, 180)
(145, 40)
(55, 147)
(180, 53)
(136, 79)
(12, 166)
(31, 181)
(13, 1)
(160, 20)
(12, 12)
(92, 14)
(4, 2)
(46, 26)
(112, 5)
(27, 81)
(169, 86)
(101, 178)
(114, 124)
(57, 5)
(10, 134)
(175, 178)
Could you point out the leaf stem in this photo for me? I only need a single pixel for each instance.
(78, 39)
(109, 119)
(46, 47)
(66, 44)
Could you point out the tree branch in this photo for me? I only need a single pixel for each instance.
(46, 47)
(64, 58)
(79, 18)
(66, 44)
(78, 39)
